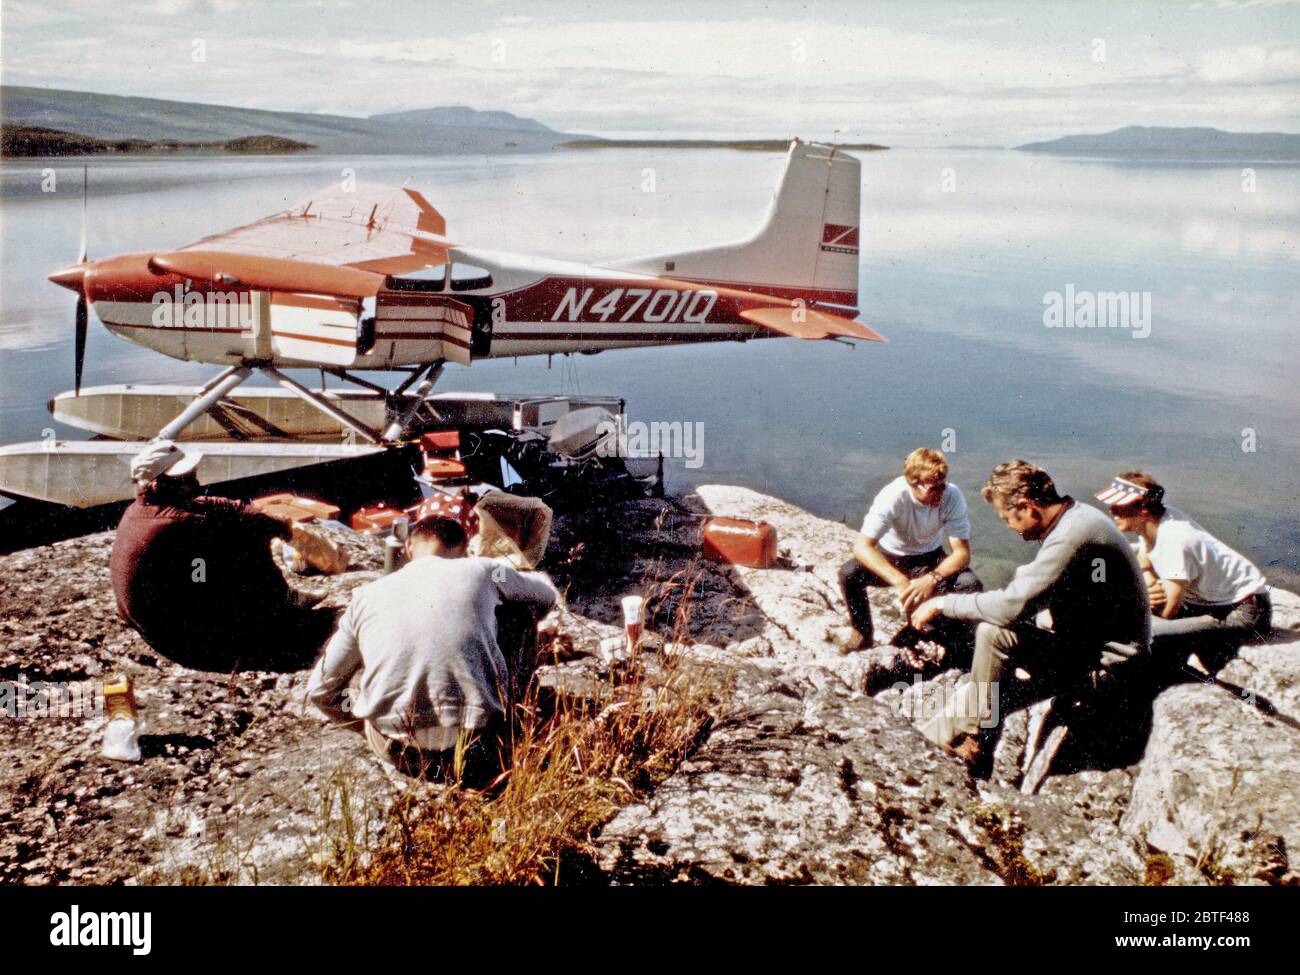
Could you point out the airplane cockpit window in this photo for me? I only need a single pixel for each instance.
(467, 277)
(425, 279)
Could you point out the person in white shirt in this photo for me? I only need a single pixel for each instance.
(901, 544)
(1208, 599)
(425, 642)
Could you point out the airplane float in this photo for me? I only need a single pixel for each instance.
(363, 278)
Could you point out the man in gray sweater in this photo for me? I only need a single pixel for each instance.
(1082, 596)
(425, 641)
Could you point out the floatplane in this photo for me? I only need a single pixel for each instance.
(361, 278)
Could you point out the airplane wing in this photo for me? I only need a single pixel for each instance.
(809, 323)
(340, 241)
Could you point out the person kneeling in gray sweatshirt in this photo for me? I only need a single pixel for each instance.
(434, 681)
(1081, 595)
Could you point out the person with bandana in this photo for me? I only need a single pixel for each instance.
(1207, 598)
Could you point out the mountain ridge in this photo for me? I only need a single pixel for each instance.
(1165, 141)
(117, 117)
(462, 115)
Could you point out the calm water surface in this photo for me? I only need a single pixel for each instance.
(955, 280)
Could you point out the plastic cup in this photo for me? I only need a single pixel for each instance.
(633, 620)
(122, 732)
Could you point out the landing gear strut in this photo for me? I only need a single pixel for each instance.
(398, 428)
(223, 384)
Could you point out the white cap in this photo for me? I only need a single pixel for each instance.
(163, 457)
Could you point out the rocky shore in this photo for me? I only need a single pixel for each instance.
(813, 773)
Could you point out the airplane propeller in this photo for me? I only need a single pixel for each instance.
(82, 317)
(85, 192)
(79, 354)
(73, 277)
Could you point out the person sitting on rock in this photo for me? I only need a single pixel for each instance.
(1208, 598)
(433, 679)
(196, 578)
(901, 544)
(1085, 576)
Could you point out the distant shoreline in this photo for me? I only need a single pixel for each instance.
(28, 141)
(750, 145)
(1164, 143)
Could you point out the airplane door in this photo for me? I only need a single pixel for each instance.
(417, 326)
(481, 340)
(457, 331)
(313, 328)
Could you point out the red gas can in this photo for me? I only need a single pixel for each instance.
(440, 441)
(375, 518)
(738, 541)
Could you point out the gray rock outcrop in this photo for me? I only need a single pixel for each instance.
(1218, 783)
(764, 800)
(806, 780)
(812, 772)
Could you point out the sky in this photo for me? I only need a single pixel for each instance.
(914, 72)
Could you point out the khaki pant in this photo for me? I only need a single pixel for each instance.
(481, 757)
(977, 704)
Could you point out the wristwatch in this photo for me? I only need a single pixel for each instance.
(938, 579)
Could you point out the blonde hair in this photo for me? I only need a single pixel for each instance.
(925, 466)
(1019, 480)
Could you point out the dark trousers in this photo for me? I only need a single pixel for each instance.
(281, 639)
(856, 579)
(1213, 633)
(517, 638)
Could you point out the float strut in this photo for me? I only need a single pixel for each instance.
(322, 404)
(397, 429)
(208, 397)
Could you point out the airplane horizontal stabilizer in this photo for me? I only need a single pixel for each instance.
(808, 323)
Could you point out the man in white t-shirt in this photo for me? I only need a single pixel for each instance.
(901, 544)
(1208, 599)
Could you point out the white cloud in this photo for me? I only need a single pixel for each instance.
(763, 48)
(1243, 4)
(1253, 64)
(912, 81)
(22, 13)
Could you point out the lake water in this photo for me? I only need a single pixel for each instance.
(956, 281)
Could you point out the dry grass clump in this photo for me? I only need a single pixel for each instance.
(574, 764)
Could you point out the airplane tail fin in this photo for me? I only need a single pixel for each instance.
(807, 246)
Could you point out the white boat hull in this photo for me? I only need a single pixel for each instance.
(84, 474)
